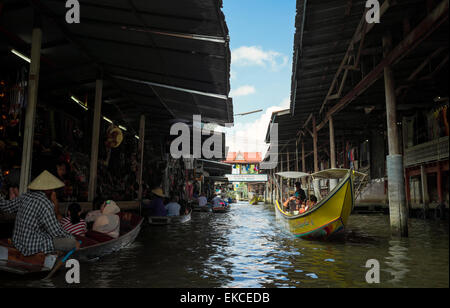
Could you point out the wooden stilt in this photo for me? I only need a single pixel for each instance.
(141, 155)
(30, 113)
(95, 140)
(396, 183)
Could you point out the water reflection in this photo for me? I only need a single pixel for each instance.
(397, 261)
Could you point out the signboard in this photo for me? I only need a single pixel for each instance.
(247, 177)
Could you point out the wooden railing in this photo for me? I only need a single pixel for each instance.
(435, 150)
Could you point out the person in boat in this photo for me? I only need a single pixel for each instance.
(156, 206)
(173, 207)
(299, 192)
(202, 201)
(292, 203)
(311, 202)
(36, 228)
(73, 223)
(217, 201)
(106, 219)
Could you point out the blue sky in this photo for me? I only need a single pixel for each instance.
(261, 43)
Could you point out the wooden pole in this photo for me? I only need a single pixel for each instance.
(141, 155)
(425, 195)
(95, 139)
(296, 155)
(333, 182)
(30, 113)
(316, 156)
(396, 183)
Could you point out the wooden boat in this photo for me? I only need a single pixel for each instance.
(254, 200)
(169, 220)
(94, 245)
(221, 209)
(206, 208)
(330, 215)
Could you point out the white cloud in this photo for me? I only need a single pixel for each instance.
(242, 91)
(250, 137)
(255, 55)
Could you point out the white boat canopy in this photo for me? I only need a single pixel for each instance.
(335, 174)
(293, 174)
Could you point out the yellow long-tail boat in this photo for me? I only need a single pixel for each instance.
(330, 215)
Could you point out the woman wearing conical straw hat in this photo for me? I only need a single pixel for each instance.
(36, 227)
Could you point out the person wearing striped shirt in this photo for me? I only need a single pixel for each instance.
(36, 228)
(73, 223)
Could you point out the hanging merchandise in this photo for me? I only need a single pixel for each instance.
(114, 137)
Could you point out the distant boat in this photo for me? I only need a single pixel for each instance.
(94, 246)
(330, 215)
(169, 220)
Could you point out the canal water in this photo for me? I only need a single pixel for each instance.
(246, 247)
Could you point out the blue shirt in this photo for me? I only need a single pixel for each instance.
(173, 209)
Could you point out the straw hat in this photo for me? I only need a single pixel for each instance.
(158, 191)
(45, 181)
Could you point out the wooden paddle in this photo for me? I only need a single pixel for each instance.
(60, 263)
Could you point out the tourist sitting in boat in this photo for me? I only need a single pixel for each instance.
(73, 222)
(311, 202)
(36, 228)
(173, 207)
(156, 206)
(108, 222)
(299, 192)
(292, 203)
(217, 201)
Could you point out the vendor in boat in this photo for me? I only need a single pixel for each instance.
(36, 228)
(156, 206)
(173, 207)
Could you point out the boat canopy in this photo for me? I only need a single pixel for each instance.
(293, 174)
(335, 174)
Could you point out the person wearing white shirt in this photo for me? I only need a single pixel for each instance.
(202, 201)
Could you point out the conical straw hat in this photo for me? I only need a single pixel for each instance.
(45, 181)
(159, 192)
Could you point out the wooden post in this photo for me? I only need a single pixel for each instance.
(316, 182)
(333, 182)
(288, 161)
(425, 195)
(396, 183)
(296, 155)
(30, 113)
(316, 154)
(281, 179)
(95, 140)
(141, 155)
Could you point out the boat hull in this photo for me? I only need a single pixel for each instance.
(326, 219)
(169, 220)
(11, 260)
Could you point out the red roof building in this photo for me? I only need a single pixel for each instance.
(243, 158)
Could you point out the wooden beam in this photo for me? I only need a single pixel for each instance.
(30, 113)
(141, 154)
(95, 140)
(430, 23)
